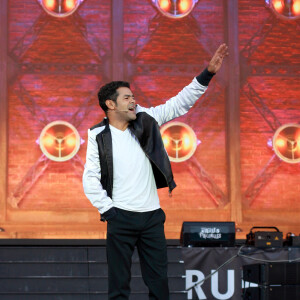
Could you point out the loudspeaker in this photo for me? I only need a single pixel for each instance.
(279, 273)
(207, 234)
(284, 292)
(292, 240)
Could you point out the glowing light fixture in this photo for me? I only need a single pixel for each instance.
(287, 9)
(286, 143)
(179, 140)
(60, 8)
(59, 141)
(175, 8)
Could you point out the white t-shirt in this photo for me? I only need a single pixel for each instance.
(134, 186)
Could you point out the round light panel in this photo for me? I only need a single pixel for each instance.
(175, 8)
(59, 141)
(286, 9)
(286, 143)
(180, 141)
(60, 8)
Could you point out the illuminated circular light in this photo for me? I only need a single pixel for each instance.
(49, 4)
(286, 143)
(166, 141)
(278, 5)
(186, 141)
(59, 141)
(70, 141)
(179, 140)
(70, 4)
(296, 8)
(280, 143)
(175, 8)
(286, 9)
(48, 141)
(185, 5)
(165, 4)
(60, 8)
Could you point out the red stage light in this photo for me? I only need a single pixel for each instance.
(48, 141)
(298, 147)
(280, 142)
(287, 9)
(166, 141)
(186, 141)
(286, 143)
(297, 139)
(71, 141)
(49, 4)
(60, 8)
(179, 140)
(175, 8)
(185, 5)
(70, 4)
(278, 5)
(59, 141)
(165, 4)
(296, 7)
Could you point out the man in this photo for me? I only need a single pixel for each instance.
(125, 164)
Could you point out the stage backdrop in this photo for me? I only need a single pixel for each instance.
(53, 66)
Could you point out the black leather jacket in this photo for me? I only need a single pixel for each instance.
(146, 130)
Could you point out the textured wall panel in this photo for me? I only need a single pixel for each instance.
(57, 68)
(272, 44)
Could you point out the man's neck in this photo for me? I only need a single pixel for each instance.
(121, 125)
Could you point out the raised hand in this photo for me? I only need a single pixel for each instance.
(217, 59)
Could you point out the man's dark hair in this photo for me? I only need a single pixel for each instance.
(109, 91)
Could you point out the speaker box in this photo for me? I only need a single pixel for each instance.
(279, 273)
(293, 241)
(207, 234)
(284, 292)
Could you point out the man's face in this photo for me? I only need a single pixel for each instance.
(125, 106)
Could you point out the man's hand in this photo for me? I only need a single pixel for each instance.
(216, 61)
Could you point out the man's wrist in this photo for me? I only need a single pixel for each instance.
(205, 77)
(108, 214)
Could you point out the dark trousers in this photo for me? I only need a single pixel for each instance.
(146, 231)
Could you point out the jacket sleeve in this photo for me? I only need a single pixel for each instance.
(182, 102)
(91, 178)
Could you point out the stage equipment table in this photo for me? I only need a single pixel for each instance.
(227, 282)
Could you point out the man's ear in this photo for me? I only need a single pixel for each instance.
(110, 104)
